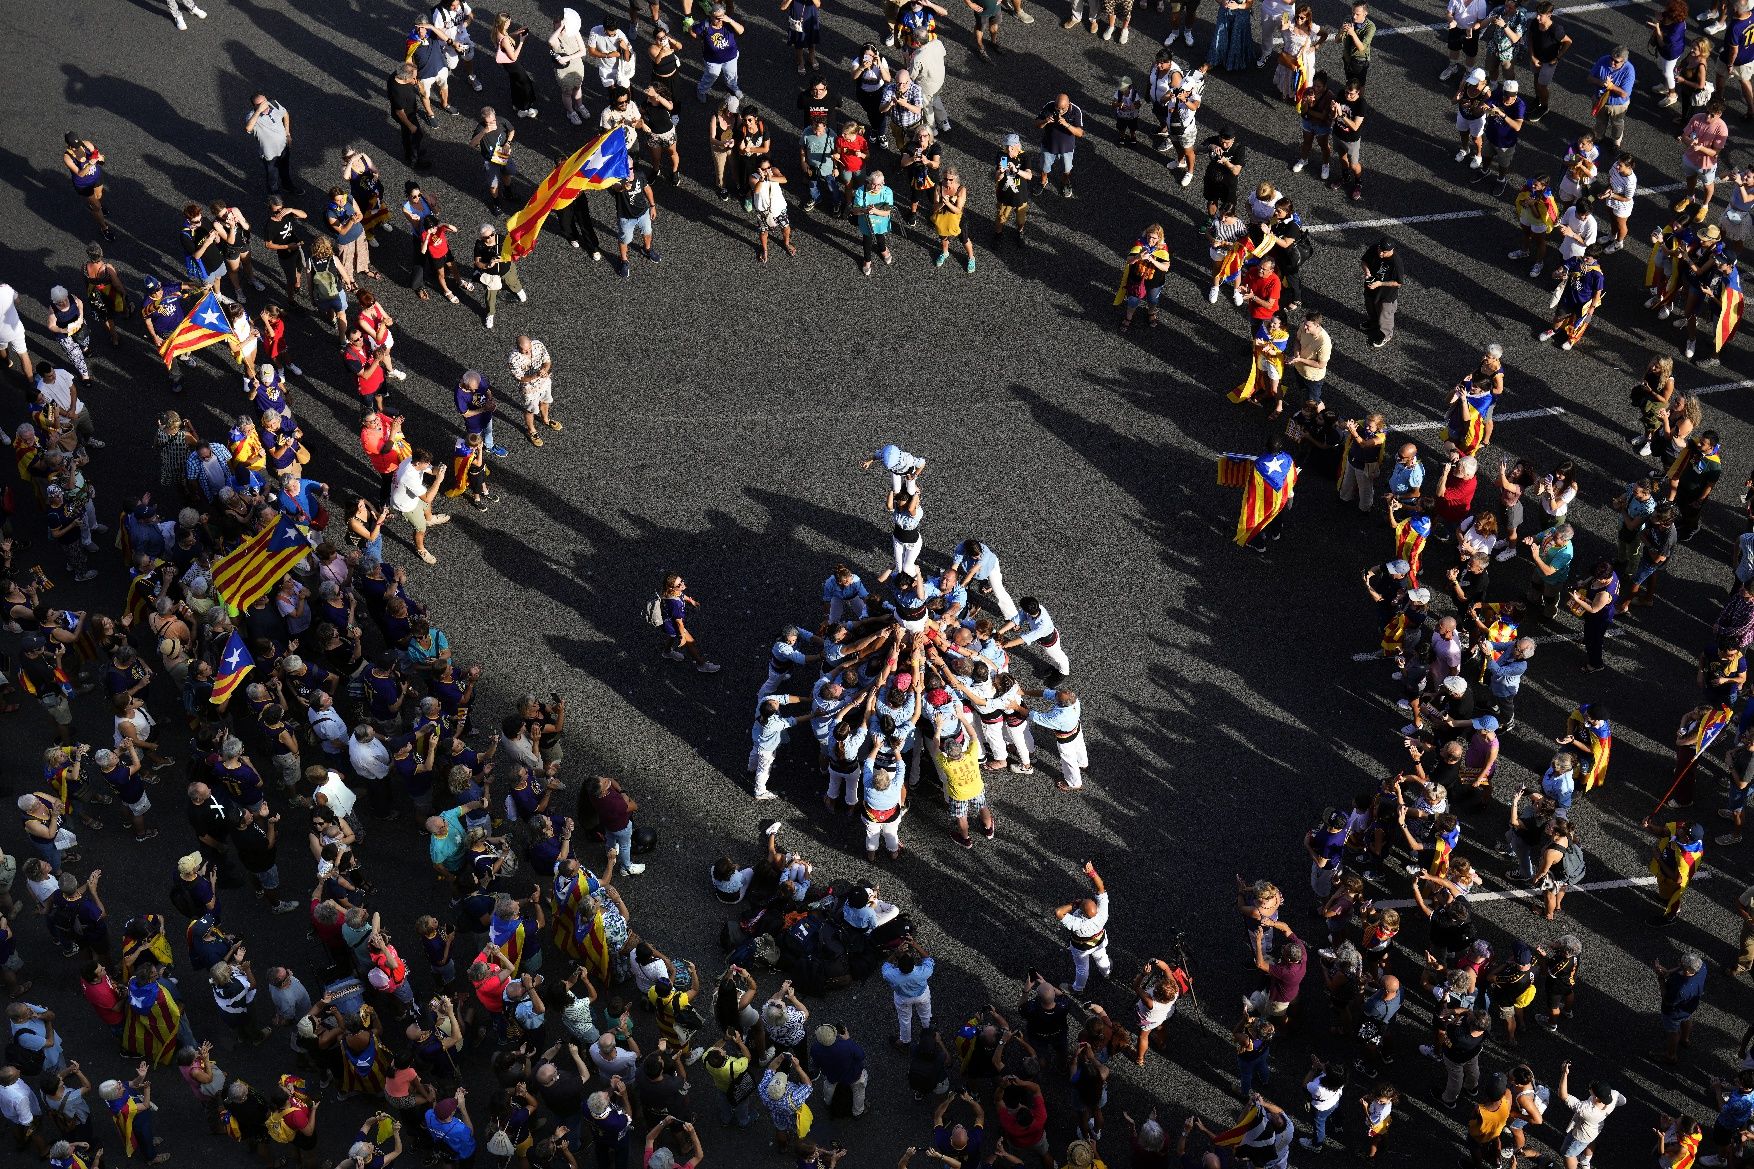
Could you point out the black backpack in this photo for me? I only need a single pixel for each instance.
(29, 1062)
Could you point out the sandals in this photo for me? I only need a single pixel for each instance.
(553, 425)
(452, 297)
(535, 439)
(423, 294)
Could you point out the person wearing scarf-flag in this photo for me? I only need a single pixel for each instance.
(469, 471)
(1669, 245)
(1587, 728)
(1469, 418)
(505, 929)
(1266, 369)
(1142, 278)
(578, 929)
(1716, 282)
(1691, 478)
(153, 1026)
(132, 1109)
(1267, 483)
(1680, 847)
(1411, 528)
(1700, 728)
(1575, 302)
(74, 1155)
(1227, 246)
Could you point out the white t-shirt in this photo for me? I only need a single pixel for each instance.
(408, 487)
(58, 391)
(1322, 1097)
(1588, 1116)
(611, 71)
(1585, 225)
(11, 328)
(1467, 13)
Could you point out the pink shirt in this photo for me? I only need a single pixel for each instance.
(1707, 131)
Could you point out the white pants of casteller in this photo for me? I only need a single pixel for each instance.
(907, 554)
(889, 832)
(761, 762)
(906, 1009)
(849, 609)
(775, 682)
(1001, 598)
(995, 736)
(1082, 961)
(1056, 655)
(1073, 760)
(843, 781)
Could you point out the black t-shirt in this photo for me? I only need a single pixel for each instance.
(660, 1098)
(1044, 1022)
(1348, 109)
(1544, 42)
(821, 109)
(488, 254)
(1473, 584)
(253, 848)
(565, 1097)
(1220, 184)
(404, 99)
(1383, 268)
(1285, 257)
(1439, 771)
(921, 174)
(1695, 479)
(1315, 443)
(495, 140)
(1363, 451)
(1464, 1042)
(631, 200)
(1457, 706)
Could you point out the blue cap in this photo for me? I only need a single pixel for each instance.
(966, 1031)
(150, 283)
(1486, 722)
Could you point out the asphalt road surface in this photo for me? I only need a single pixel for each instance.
(716, 410)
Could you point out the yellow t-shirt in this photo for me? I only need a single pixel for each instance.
(962, 777)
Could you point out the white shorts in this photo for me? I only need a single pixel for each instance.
(427, 86)
(1622, 209)
(1537, 226)
(1743, 72)
(538, 393)
(140, 808)
(13, 341)
(1472, 127)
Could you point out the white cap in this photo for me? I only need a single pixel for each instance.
(1419, 596)
(1511, 86)
(1476, 76)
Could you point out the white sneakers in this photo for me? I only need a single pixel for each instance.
(522, 296)
(1124, 33)
(489, 321)
(1474, 162)
(1297, 167)
(437, 520)
(427, 556)
(1212, 296)
(1187, 177)
(399, 374)
(1462, 154)
(1326, 170)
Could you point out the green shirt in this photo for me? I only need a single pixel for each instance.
(1366, 34)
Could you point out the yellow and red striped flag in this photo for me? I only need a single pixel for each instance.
(599, 163)
(205, 325)
(234, 663)
(245, 575)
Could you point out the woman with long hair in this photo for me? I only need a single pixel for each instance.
(508, 46)
(85, 166)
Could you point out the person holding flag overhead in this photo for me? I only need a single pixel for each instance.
(1700, 728)
(597, 165)
(1411, 528)
(250, 571)
(1267, 483)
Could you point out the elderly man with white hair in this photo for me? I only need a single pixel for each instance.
(68, 325)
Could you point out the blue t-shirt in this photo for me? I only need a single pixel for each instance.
(1682, 992)
(1498, 130)
(1739, 41)
(453, 1134)
(674, 610)
(718, 45)
(1623, 77)
(340, 212)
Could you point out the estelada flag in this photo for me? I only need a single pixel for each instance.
(149, 1023)
(245, 575)
(1729, 313)
(1465, 426)
(509, 937)
(1267, 483)
(205, 325)
(1600, 740)
(1236, 1133)
(234, 663)
(600, 163)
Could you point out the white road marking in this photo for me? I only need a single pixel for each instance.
(1408, 29)
(1543, 412)
(1359, 224)
(1613, 631)
(1531, 894)
(1720, 387)
(1662, 189)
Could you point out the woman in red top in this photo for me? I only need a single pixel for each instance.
(1456, 485)
(104, 994)
(437, 250)
(376, 322)
(271, 324)
(367, 365)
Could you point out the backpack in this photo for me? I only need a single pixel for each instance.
(1571, 864)
(181, 900)
(28, 1061)
(279, 1131)
(653, 611)
(324, 283)
(1305, 248)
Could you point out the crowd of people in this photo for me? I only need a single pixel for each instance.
(329, 699)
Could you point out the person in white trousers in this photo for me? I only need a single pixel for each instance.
(766, 736)
(1087, 923)
(974, 560)
(904, 536)
(909, 974)
(926, 67)
(844, 596)
(1064, 721)
(903, 468)
(885, 796)
(996, 699)
(783, 656)
(1034, 626)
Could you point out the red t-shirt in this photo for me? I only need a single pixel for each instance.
(437, 246)
(1025, 1136)
(275, 338)
(854, 163)
(105, 999)
(380, 448)
(1267, 288)
(1457, 499)
(369, 377)
(490, 991)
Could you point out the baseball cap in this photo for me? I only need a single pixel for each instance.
(1486, 722)
(1398, 567)
(1419, 596)
(1511, 86)
(445, 1109)
(34, 641)
(1476, 76)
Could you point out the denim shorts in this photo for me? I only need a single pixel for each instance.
(1672, 1020)
(632, 227)
(1319, 131)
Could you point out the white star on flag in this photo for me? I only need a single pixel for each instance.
(1276, 464)
(232, 659)
(212, 319)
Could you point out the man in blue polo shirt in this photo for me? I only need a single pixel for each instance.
(1614, 77)
(475, 403)
(839, 1063)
